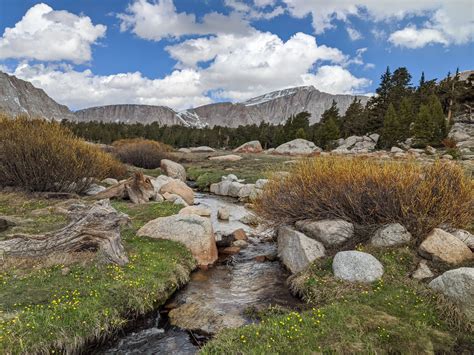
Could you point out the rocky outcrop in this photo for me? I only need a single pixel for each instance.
(249, 147)
(21, 97)
(463, 134)
(330, 232)
(442, 246)
(297, 147)
(193, 231)
(458, 285)
(391, 235)
(173, 169)
(296, 250)
(357, 144)
(232, 187)
(356, 266)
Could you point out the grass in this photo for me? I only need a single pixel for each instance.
(61, 308)
(396, 314)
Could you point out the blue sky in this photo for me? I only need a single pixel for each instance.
(185, 53)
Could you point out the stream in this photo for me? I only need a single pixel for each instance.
(215, 298)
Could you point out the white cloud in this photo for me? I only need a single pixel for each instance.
(159, 20)
(336, 80)
(354, 35)
(257, 11)
(452, 19)
(49, 35)
(80, 89)
(412, 37)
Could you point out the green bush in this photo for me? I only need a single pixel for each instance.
(38, 155)
(142, 153)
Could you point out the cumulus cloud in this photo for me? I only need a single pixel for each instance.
(336, 80)
(80, 89)
(450, 20)
(412, 37)
(49, 35)
(256, 11)
(354, 35)
(159, 20)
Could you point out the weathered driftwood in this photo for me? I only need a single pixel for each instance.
(94, 229)
(138, 189)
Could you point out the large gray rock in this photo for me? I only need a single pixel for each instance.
(357, 144)
(195, 232)
(296, 250)
(330, 232)
(249, 147)
(442, 246)
(356, 266)
(391, 235)
(464, 236)
(423, 271)
(297, 147)
(458, 285)
(173, 169)
(179, 188)
(202, 149)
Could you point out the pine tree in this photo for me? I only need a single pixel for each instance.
(423, 127)
(391, 133)
(300, 133)
(439, 120)
(406, 115)
(331, 113)
(354, 121)
(327, 132)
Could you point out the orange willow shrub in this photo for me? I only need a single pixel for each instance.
(38, 155)
(143, 153)
(368, 193)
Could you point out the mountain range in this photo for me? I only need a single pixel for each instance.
(21, 97)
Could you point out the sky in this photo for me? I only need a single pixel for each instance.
(187, 53)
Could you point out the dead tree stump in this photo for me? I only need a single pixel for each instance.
(138, 189)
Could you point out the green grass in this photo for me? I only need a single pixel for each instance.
(50, 310)
(396, 314)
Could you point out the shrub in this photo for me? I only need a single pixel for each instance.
(142, 153)
(449, 143)
(369, 193)
(38, 155)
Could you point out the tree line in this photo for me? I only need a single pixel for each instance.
(398, 111)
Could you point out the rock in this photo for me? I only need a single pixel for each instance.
(65, 271)
(297, 147)
(239, 234)
(229, 157)
(260, 258)
(180, 201)
(246, 191)
(159, 181)
(430, 150)
(458, 285)
(198, 211)
(184, 150)
(203, 149)
(375, 137)
(270, 151)
(356, 266)
(260, 183)
(357, 144)
(296, 250)
(464, 236)
(220, 188)
(391, 235)
(230, 250)
(330, 232)
(234, 189)
(223, 213)
(422, 271)
(240, 243)
(443, 246)
(230, 177)
(109, 182)
(249, 147)
(249, 219)
(447, 157)
(193, 231)
(94, 189)
(396, 150)
(7, 222)
(158, 198)
(173, 169)
(179, 188)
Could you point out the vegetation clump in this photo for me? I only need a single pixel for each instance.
(142, 153)
(37, 155)
(369, 193)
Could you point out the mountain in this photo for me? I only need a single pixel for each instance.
(274, 107)
(21, 97)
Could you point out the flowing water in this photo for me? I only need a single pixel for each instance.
(217, 297)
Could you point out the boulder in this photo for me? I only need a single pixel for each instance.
(246, 190)
(159, 181)
(443, 246)
(223, 213)
(239, 234)
(173, 169)
(297, 147)
(357, 144)
(464, 236)
(422, 271)
(391, 235)
(330, 232)
(296, 250)
(220, 188)
(195, 210)
(229, 157)
(458, 285)
(230, 250)
(203, 149)
(179, 188)
(249, 147)
(195, 232)
(260, 183)
(396, 150)
(356, 266)
(240, 243)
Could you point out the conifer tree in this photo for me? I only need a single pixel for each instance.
(423, 127)
(327, 132)
(439, 120)
(354, 121)
(391, 133)
(406, 115)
